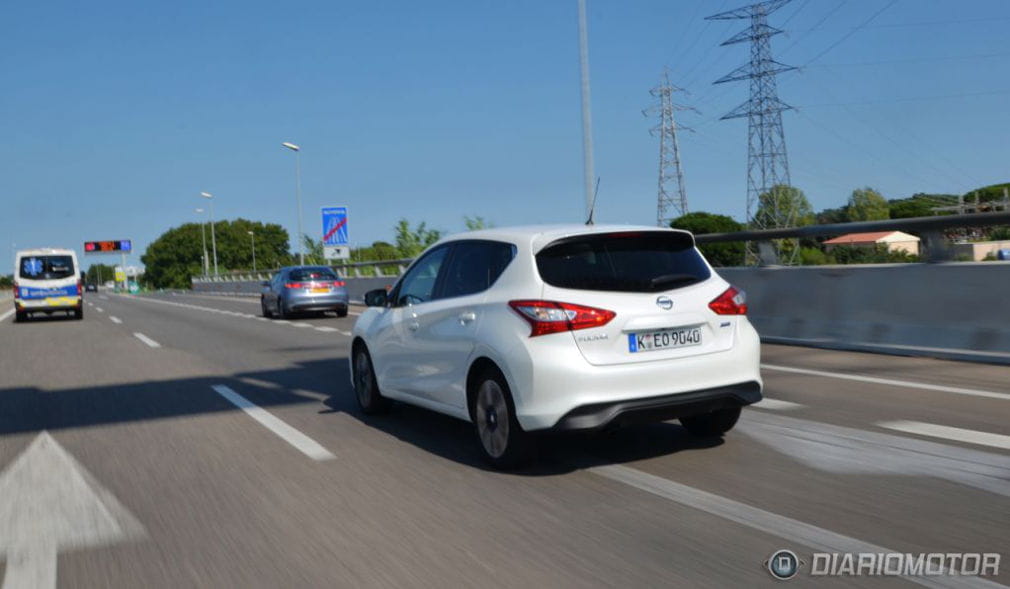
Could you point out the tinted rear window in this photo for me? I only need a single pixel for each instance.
(647, 261)
(312, 274)
(46, 267)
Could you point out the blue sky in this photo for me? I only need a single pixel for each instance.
(117, 114)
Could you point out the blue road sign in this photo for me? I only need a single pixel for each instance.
(335, 226)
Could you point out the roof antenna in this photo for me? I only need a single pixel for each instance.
(592, 207)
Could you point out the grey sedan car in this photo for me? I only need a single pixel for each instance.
(304, 289)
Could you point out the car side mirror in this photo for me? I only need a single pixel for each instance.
(376, 298)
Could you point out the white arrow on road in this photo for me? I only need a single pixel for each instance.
(49, 503)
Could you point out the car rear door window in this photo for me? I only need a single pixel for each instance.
(418, 284)
(308, 274)
(640, 261)
(46, 267)
(475, 266)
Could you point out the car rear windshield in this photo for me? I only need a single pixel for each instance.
(312, 274)
(46, 267)
(645, 261)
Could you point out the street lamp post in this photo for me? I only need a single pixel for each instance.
(203, 238)
(252, 241)
(298, 197)
(213, 237)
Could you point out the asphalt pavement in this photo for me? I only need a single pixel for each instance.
(177, 440)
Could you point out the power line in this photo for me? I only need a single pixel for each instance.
(852, 32)
(915, 60)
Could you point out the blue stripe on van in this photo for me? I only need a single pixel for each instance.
(43, 293)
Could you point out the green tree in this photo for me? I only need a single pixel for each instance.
(993, 192)
(783, 206)
(176, 255)
(866, 255)
(919, 205)
(7, 281)
(476, 223)
(99, 273)
(411, 242)
(866, 204)
(718, 254)
(831, 216)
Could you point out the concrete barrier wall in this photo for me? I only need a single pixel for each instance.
(356, 287)
(957, 311)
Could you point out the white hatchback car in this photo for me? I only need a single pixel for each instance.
(572, 327)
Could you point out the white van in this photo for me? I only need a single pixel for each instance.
(47, 280)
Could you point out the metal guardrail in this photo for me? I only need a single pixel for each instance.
(931, 228)
(370, 269)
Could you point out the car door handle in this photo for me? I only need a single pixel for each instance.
(467, 317)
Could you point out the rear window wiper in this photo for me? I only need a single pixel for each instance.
(672, 279)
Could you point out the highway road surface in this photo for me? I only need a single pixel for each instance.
(177, 440)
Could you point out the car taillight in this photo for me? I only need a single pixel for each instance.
(552, 317)
(17, 292)
(731, 302)
(338, 283)
(296, 285)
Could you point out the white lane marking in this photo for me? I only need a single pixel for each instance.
(50, 503)
(303, 443)
(114, 319)
(261, 319)
(6, 314)
(342, 332)
(353, 313)
(99, 309)
(846, 450)
(776, 404)
(892, 382)
(301, 325)
(820, 539)
(949, 433)
(150, 342)
(282, 321)
(327, 329)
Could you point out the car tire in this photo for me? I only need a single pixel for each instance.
(20, 317)
(366, 388)
(714, 423)
(78, 314)
(263, 308)
(282, 313)
(503, 442)
(342, 312)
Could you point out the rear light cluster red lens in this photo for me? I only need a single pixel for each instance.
(731, 302)
(80, 287)
(17, 292)
(295, 285)
(338, 283)
(547, 317)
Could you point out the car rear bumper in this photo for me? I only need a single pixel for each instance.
(71, 303)
(662, 408)
(321, 303)
(570, 393)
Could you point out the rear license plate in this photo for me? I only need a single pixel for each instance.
(320, 289)
(664, 339)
